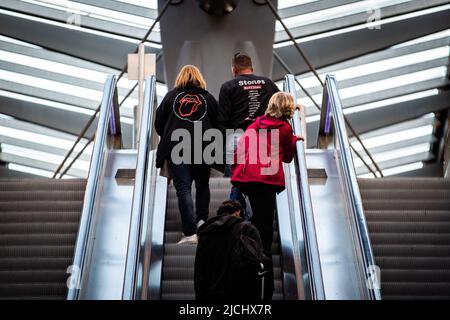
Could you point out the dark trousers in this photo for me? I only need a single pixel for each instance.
(183, 175)
(263, 201)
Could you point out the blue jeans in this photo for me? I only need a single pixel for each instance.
(183, 175)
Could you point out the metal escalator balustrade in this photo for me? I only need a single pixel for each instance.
(106, 252)
(338, 208)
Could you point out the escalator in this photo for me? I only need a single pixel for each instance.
(39, 220)
(409, 225)
(113, 236)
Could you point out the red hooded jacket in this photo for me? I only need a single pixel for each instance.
(261, 151)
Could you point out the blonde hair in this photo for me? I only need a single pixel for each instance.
(281, 105)
(190, 75)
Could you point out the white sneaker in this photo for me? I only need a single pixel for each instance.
(190, 239)
(199, 223)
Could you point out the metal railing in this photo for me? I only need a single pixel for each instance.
(138, 222)
(332, 122)
(108, 129)
(306, 230)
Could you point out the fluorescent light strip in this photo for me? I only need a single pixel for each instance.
(402, 169)
(336, 12)
(364, 26)
(34, 171)
(431, 37)
(283, 4)
(59, 87)
(41, 156)
(97, 12)
(376, 86)
(18, 42)
(394, 154)
(394, 137)
(152, 4)
(78, 28)
(380, 66)
(391, 101)
(43, 139)
(56, 105)
(52, 66)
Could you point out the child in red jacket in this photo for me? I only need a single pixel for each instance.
(258, 169)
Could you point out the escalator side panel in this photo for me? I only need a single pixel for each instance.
(338, 252)
(107, 244)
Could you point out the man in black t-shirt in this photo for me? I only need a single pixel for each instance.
(241, 101)
(244, 98)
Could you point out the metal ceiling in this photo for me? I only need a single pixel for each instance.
(392, 71)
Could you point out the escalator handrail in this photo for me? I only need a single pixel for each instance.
(332, 114)
(307, 214)
(140, 190)
(107, 122)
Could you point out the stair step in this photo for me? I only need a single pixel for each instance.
(30, 289)
(36, 227)
(407, 215)
(39, 216)
(410, 238)
(390, 204)
(406, 275)
(409, 227)
(49, 206)
(36, 251)
(416, 288)
(38, 239)
(424, 250)
(413, 195)
(24, 185)
(38, 195)
(34, 263)
(30, 276)
(405, 183)
(413, 263)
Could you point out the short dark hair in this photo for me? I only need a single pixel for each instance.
(242, 61)
(229, 207)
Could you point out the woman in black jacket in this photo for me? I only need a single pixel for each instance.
(186, 112)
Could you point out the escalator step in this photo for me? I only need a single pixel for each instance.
(38, 289)
(38, 195)
(390, 204)
(407, 215)
(406, 275)
(24, 185)
(50, 206)
(409, 227)
(410, 238)
(40, 216)
(38, 239)
(405, 183)
(413, 263)
(34, 263)
(36, 251)
(416, 288)
(395, 194)
(36, 227)
(30, 276)
(391, 250)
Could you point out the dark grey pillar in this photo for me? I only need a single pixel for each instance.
(191, 36)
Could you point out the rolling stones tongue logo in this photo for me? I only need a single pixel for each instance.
(190, 107)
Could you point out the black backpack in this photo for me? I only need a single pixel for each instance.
(249, 273)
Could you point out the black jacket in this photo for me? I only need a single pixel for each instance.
(243, 99)
(215, 240)
(181, 108)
